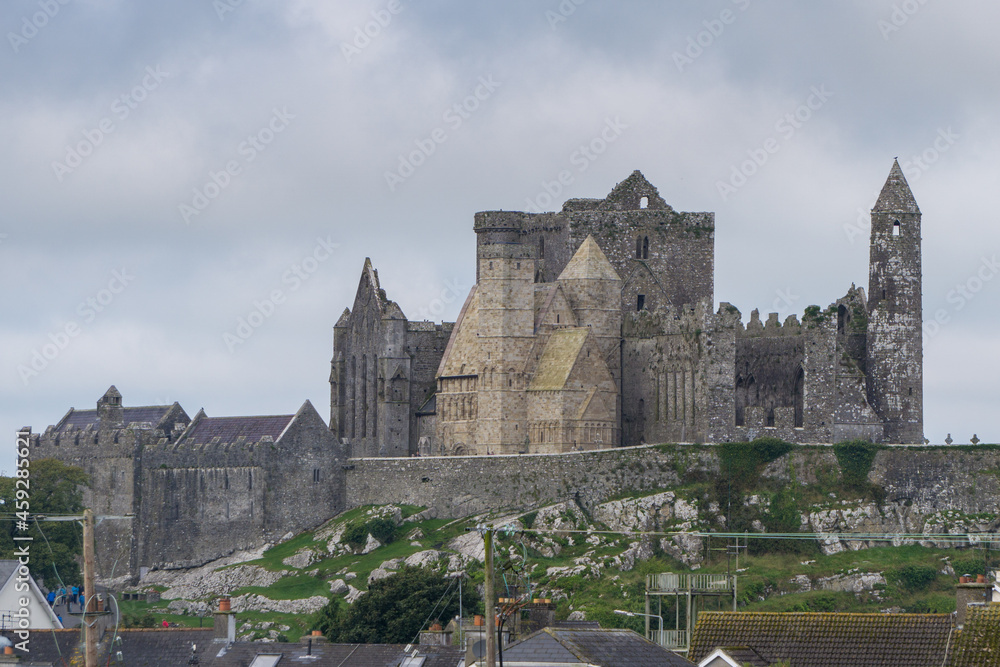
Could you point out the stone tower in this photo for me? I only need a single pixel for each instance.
(895, 346)
(506, 292)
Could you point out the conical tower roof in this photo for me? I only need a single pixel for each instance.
(896, 196)
(589, 263)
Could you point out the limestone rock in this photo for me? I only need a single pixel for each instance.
(422, 558)
(371, 545)
(338, 587)
(378, 573)
(253, 602)
(353, 594)
(300, 559)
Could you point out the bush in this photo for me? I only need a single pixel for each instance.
(914, 577)
(382, 529)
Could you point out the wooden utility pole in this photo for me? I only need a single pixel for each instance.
(89, 618)
(491, 611)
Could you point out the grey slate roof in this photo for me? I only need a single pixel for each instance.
(228, 429)
(325, 654)
(603, 647)
(78, 419)
(158, 647)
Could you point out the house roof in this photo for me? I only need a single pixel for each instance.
(604, 647)
(558, 358)
(828, 639)
(147, 647)
(325, 654)
(228, 429)
(978, 644)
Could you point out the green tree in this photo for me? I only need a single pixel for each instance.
(394, 609)
(55, 488)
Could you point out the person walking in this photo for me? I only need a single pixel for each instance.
(51, 597)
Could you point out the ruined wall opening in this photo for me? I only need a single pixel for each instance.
(798, 394)
(364, 396)
(895, 227)
(645, 247)
(842, 318)
(640, 302)
(644, 202)
(354, 394)
(638, 247)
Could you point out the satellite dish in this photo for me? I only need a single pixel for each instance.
(479, 648)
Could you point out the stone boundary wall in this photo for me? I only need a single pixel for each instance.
(933, 478)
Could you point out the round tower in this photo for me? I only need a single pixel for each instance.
(895, 384)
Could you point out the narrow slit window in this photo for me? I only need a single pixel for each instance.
(640, 302)
(895, 228)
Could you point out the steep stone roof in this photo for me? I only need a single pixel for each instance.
(589, 263)
(604, 647)
(828, 639)
(558, 358)
(896, 196)
(204, 429)
(978, 644)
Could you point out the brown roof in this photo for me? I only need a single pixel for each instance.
(828, 639)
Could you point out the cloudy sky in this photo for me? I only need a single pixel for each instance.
(170, 169)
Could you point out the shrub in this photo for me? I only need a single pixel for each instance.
(913, 577)
(855, 458)
(382, 529)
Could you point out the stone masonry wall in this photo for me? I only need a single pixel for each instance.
(918, 481)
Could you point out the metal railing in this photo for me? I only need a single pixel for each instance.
(669, 581)
(674, 640)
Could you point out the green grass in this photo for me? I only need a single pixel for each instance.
(296, 587)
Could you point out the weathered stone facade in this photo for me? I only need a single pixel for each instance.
(644, 305)
(186, 491)
(382, 373)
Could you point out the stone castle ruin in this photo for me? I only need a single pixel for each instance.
(587, 329)
(593, 327)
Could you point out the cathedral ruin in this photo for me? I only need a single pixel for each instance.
(595, 327)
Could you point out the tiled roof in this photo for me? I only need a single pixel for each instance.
(978, 644)
(228, 429)
(78, 419)
(828, 639)
(603, 647)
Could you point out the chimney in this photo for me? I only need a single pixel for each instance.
(224, 623)
(972, 594)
